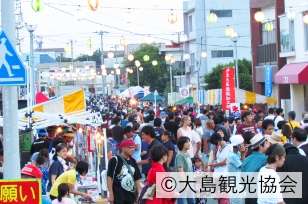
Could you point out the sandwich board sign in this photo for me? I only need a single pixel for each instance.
(12, 70)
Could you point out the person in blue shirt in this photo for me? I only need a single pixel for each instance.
(257, 158)
(234, 160)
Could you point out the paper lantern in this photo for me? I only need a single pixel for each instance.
(259, 16)
(146, 58)
(37, 5)
(93, 4)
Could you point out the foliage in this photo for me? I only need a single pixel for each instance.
(154, 76)
(96, 56)
(213, 79)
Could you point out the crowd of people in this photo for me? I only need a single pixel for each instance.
(143, 141)
(53, 162)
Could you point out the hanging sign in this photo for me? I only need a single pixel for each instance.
(27, 191)
(268, 80)
(228, 88)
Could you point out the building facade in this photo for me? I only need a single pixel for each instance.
(293, 23)
(265, 45)
(207, 45)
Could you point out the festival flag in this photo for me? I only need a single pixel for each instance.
(228, 88)
(74, 102)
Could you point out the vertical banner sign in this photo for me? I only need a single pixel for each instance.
(228, 88)
(268, 80)
(27, 191)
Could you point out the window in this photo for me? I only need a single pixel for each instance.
(287, 42)
(222, 13)
(268, 32)
(190, 23)
(221, 53)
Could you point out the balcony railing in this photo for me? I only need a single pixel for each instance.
(266, 53)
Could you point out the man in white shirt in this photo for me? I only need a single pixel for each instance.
(278, 117)
(270, 115)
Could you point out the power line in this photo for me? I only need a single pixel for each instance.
(131, 32)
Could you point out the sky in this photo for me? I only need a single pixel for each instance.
(60, 21)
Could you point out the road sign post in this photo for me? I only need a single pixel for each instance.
(12, 73)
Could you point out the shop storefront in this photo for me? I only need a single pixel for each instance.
(296, 75)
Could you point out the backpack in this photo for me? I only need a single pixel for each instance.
(113, 146)
(142, 192)
(147, 192)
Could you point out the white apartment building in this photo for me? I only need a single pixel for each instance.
(206, 45)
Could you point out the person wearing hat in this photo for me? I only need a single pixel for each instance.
(234, 161)
(123, 175)
(274, 138)
(257, 158)
(33, 171)
(41, 142)
(235, 158)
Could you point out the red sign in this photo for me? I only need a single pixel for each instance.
(26, 191)
(228, 88)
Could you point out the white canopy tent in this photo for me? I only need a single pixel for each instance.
(132, 91)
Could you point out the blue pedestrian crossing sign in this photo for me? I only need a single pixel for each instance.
(12, 70)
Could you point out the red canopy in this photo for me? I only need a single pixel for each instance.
(296, 73)
(40, 98)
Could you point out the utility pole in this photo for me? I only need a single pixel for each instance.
(101, 33)
(32, 74)
(236, 62)
(171, 85)
(11, 165)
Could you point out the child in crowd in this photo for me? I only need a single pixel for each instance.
(198, 165)
(63, 195)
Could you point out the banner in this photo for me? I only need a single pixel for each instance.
(184, 91)
(228, 88)
(27, 191)
(268, 80)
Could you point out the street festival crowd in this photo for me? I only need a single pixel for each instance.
(143, 141)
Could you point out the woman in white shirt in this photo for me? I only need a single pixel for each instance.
(276, 158)
(186, 131)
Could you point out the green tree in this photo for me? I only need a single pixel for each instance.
(96, 56)
(213, 79)
(154, 76)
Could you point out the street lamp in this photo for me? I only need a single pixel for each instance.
(212, 18)
(170, 60)
(32, 73)
(110, 55)
(138, 64)
(203, 54)
(172, 18)
(305, 18)
(154, 63)
(130, 57)
(232, 34)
